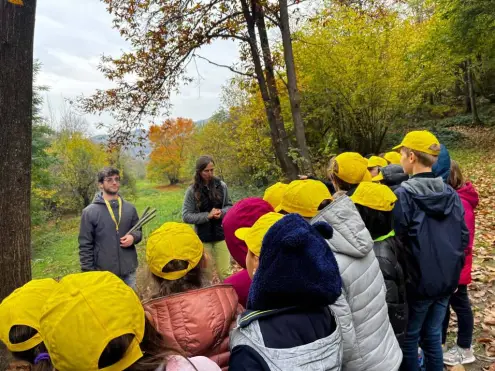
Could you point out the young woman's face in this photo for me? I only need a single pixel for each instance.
(252, 262)
(207, 173)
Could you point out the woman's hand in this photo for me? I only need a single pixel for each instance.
(215, 214)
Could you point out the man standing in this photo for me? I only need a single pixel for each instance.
(103, 242)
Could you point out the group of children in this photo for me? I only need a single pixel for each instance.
(352, 274)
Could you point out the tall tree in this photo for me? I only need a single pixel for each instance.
(293, 90)
(17, 19)
(165, 36)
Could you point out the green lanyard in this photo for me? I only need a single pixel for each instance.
(383, 238)
(112, 215)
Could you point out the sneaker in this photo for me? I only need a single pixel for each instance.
(456, 355)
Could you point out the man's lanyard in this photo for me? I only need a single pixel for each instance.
(383, 238)
(110, 210)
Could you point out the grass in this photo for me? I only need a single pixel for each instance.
(55, 247)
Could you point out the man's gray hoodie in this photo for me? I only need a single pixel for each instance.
(99, 242)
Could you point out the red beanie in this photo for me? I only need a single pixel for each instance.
(243, 214)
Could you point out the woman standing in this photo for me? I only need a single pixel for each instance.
(205, 204)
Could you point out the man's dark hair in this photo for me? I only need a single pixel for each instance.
(106, 172)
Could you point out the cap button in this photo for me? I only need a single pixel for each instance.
(74, 292)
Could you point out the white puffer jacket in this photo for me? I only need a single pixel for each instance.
(368, 337)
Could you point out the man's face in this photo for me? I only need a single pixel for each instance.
(111, 184)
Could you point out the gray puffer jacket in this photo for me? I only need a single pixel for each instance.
(99, 243)
(368, 336)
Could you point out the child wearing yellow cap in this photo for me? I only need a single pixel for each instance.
(304, 197)
(375, 163)
(187, 312)
(375, 203)
(94, 321)
(429, 221)
(288, 324)
(20, 314)
(362, 307)
(347, 170)
(273, 194)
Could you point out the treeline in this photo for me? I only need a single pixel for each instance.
(366, 71)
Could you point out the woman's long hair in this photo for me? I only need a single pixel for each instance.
(194, 279)
(153, 347)
(213, 194)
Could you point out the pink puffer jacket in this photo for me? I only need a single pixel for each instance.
(470, 199)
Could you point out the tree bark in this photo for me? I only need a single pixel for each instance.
(472, 96)
(294, 94)
(278, 133)
(16, 95)
(467, 100)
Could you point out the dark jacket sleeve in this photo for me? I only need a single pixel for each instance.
(137, 234)
(245, 358)
(86, 242)
(190, 214)
(464, 233)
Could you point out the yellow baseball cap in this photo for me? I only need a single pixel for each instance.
(422, 141)
(375, 161)
(23, 307)
(84, 314)
(273, 194)
(377, 178)
(375, 196)
(254, 236)
(392, 157)
(173, 241)
(352, 168)
(303, 197)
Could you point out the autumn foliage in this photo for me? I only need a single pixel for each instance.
(170, 148)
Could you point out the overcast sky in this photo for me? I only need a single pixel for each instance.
(70, 37)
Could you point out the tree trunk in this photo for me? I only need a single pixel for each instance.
(294, 94)
(472, 96)
(467, 100)
(278, 134)
(16, 95)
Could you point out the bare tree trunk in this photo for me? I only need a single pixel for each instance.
(278, 134)
(467, 100)
(16, 98)
(472, 96)
(294, 94)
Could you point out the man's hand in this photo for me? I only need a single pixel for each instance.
(127, 240)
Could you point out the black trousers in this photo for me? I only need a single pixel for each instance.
(459, 301)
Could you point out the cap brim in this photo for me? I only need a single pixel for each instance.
(241, 233)
(366, 177)
(278, 208)
(377, 178)
(397, 148)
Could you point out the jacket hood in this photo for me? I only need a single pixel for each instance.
(441, 168)
(468, 193)
(431, 195)
(242, 215)
(350, 235)
(393, 175)
(100, 200)
(196, 321)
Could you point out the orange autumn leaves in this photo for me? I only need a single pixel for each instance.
(170, 145)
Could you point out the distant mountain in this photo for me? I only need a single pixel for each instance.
(134, 149)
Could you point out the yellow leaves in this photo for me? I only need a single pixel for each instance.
(16, 2)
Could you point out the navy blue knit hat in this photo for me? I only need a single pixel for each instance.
(296, 268)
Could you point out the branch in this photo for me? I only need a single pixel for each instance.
(282, 79)
(225, 66)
